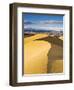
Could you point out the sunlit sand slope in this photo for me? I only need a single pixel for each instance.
(34, 37)
(36, 59)
(41, 56)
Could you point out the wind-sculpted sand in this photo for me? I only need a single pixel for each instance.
(43, 54)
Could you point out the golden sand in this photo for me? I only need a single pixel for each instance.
(35, 56)
(32, 38)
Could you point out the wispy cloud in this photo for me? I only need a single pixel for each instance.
(43, 22)
(44, 25)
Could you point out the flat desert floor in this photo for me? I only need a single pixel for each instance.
(43, 54)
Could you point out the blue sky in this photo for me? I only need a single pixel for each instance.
(41, 21)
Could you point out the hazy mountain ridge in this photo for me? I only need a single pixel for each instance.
(50, 32)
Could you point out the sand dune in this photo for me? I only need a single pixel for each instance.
(38, 55)
(34, 37)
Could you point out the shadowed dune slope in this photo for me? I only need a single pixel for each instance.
(55, 54)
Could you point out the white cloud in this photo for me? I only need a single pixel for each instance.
(51, 22)
(45, 22)
(44, 25)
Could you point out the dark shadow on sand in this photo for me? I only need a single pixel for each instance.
(28, 35)
(53, 40)
(56, 51)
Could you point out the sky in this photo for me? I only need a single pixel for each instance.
(42, 22)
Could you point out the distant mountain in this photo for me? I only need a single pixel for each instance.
(50, 32)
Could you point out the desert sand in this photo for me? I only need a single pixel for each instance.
(42, 54)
